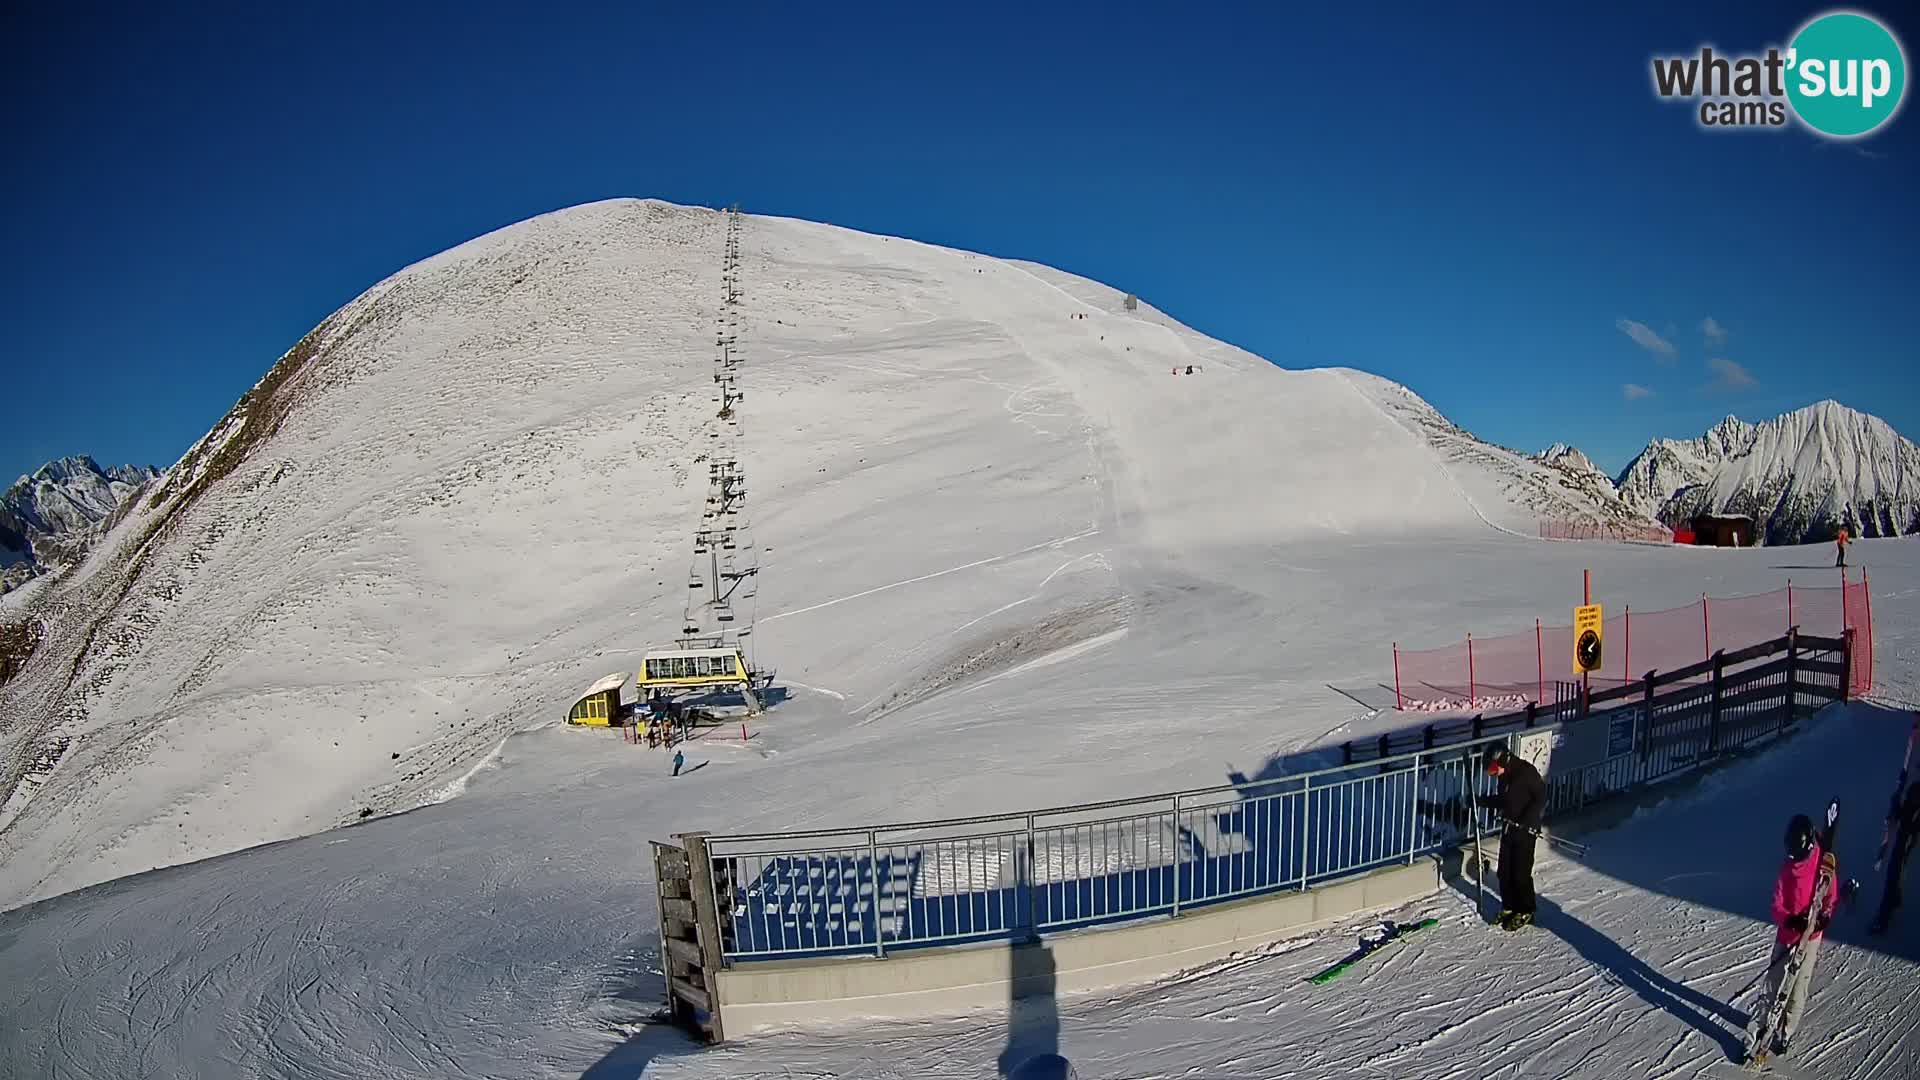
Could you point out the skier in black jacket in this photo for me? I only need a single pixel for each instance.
(1523, 803)
(1906, 835)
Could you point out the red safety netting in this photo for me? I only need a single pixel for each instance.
(1489, 672)
(1596, 530)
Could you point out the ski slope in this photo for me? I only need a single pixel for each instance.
(1007, 560)
(510, 932)
(472, 491)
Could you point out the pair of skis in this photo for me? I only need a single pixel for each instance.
(1760, 1036)
(1393, 936)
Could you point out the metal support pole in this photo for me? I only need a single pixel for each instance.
(1027, 880)
(1413, 805)
(873, 866)
(1306, 825)
(1179, 855)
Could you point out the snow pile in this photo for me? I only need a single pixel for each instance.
(1802, 475)
(48, 518)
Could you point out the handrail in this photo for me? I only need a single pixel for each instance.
(1372, 764)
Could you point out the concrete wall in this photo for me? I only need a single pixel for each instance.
(937, 982)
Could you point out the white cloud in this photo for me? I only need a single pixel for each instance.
(1634, 392)
(1643, 336)
(1731, 376)
(1713, 331)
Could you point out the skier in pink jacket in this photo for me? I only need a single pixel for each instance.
(1793, 915)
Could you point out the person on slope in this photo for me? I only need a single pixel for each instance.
(1840, 542)
(679, 759)
(1793, 914)
(1906, 835)
(1523, 803)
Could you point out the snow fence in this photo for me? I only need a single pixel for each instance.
(1607, 530)
(1509, 670)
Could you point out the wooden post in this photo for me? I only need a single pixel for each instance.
(1846, 664)
(707, 918)
(1719, 690)
(1793, 676)
(1646, 719)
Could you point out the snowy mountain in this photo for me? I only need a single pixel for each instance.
(48, 518)
(1802, 475)
(1511, 490)
(1008, 559)
(1568, 457)
(472, 491)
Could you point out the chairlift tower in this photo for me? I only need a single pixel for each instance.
(721, 578)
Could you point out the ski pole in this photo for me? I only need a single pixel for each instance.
(1541, 834)
(1572, 845)
(1479, 857)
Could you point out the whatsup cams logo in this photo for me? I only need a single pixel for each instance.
(1842, 76)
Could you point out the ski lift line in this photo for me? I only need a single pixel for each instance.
(1054, 543)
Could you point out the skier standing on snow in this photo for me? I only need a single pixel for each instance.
(1906, 835)
(1793, 914)
(679, 759)
(1523, 802)
(1840, 542)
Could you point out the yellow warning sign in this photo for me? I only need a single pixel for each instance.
(1588, 627)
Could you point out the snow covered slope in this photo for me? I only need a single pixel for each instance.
(510, 934)
(471, 492)
(1802, 475)
(48, 518)
(1512, 491)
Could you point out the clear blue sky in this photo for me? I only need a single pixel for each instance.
(1470, 206)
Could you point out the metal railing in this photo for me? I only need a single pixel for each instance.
(1018, 876)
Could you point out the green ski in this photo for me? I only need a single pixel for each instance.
(1393, 936)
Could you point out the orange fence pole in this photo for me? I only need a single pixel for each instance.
(1866, 593)
(1706, 626)
(1399, 702)
(1470, 694)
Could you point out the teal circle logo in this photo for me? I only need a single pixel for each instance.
(1846, 74)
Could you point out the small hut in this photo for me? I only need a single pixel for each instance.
(599, 706)
(1724, 530)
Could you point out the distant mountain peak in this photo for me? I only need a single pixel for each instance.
(1803, 475)
(1567, 457)
(49, 517)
